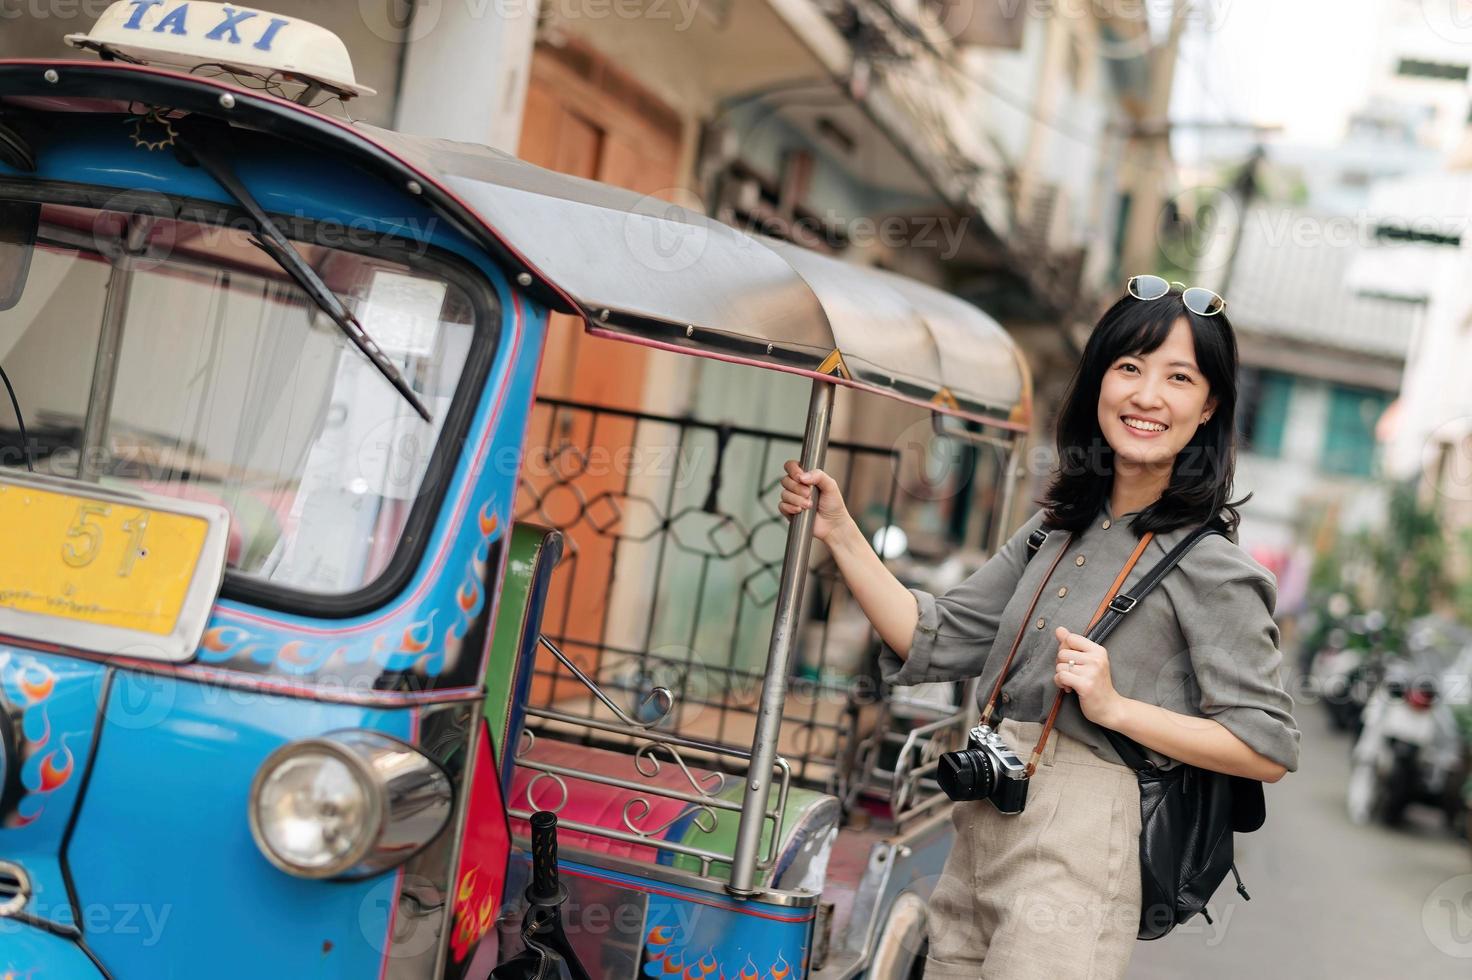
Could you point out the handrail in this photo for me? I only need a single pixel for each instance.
(702, 806)
(664, 698)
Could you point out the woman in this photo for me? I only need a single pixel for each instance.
(1145, 444)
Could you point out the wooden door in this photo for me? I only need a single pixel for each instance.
(584, 117)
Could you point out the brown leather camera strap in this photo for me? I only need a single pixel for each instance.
(991, 703)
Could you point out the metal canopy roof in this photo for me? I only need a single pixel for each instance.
(643, 269)
(637, 268)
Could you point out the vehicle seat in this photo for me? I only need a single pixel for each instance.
(535, 552)
(809, 823)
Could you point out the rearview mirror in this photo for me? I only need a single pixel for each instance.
(19, 222)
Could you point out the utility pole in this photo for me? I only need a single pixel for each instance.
(1147, 153)
(1244, 189)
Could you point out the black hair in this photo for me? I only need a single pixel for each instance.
(1201, 476)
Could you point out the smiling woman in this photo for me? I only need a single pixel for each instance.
(1192, 676)
(1148, 419)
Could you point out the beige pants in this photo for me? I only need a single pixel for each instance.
(1053, 892)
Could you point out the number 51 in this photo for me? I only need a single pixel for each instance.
(86, 537)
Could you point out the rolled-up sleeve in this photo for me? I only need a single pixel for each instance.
(954, 632)
(1234, 651)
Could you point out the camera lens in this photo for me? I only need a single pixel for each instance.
(966, 775)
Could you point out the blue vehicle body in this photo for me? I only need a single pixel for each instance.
(131, 823)
(126, 790)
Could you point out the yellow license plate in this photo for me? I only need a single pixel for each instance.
(96, 561)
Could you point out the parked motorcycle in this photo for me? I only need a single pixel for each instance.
(1348, 667)
(1409, 749)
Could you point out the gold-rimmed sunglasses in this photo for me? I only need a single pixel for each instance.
(1198, 299)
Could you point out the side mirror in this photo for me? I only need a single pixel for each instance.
(19, 223)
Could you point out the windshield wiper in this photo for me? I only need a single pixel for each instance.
(270, 240)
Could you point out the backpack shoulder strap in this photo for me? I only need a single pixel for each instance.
(1120, 606)
(1034, 542)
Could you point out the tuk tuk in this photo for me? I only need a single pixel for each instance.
(280, 683)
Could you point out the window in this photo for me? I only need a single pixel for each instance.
(1349, 437)
(229, 387)
(1264, 410)
(1415, 68)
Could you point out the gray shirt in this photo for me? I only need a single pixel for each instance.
(1204, 643)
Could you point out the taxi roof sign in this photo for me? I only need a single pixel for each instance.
(196, 33)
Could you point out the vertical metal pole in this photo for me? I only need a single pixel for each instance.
(1002, 530)
(779, 653)
(109, 344)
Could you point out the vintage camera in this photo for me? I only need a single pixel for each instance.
(986, 769)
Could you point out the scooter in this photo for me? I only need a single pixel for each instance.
(1347, 668)
(1409, 750)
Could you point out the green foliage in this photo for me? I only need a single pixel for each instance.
(1462, 590)
(1409, 559)
(1399, 569)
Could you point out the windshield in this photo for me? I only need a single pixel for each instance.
(175, 357)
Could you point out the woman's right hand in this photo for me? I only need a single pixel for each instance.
(797, 487)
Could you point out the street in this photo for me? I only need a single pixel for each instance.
(1329, 899)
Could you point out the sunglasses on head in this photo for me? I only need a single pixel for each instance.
(1198, 299)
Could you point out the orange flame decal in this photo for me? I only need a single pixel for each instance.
(469, 592)
(51, 775)
(487, 913)
(413, 645)
(660, 935)
(779, 972)
(487, 521)
(291, 652)
(215, 639)
(467, 885)
(37, 690)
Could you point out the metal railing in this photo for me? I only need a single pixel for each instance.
(659, 620)
(700, 793)
(671, 570)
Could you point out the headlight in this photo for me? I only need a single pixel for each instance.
(346, 805)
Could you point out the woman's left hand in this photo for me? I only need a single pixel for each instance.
(1088, 676)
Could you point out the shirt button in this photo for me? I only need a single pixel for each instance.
(1063, 592)
(1041, 622)
(1105, 525)
(1079, 561)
